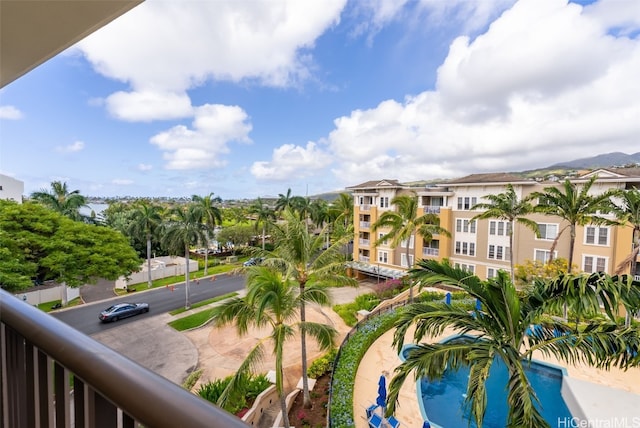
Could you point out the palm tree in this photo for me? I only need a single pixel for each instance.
(302, 205)
(61, 200)
(272, 301)
(300, 255)
(628, 214)
(342, 209)
(184, 229)
(284, 201)
(211, 216)
(264, 216)
(404, 223)
(146, 219)
(504, 332)
(574, 206)
(507, 206)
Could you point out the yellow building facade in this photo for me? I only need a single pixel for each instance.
(482, 246)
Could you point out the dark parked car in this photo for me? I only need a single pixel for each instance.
(123, 310)
(253, 261)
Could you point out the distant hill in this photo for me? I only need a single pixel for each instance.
(600, 161)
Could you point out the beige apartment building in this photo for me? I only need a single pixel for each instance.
(482, 246)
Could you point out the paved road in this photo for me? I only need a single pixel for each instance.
(161, 300)
(147, 339)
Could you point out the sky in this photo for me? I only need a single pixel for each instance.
(247, 99)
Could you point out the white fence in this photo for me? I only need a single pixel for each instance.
(161, 267)
(50, 294)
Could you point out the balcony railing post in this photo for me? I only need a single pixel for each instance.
(38, 356)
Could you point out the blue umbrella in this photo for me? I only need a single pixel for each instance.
(382, 392)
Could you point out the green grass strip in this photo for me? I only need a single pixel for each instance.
(204, 303)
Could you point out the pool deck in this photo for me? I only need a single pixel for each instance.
(595, 397)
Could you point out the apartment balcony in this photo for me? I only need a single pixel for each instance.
(431, 210)
(54, 376)
(364, 242)
(365, 207)
(362, 258)
(365, 224)
(430, 251)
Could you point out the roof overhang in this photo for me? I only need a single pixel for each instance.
(34, 31)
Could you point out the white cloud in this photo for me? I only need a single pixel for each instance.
(76, 146)
(289, 161)
(204, 145)
(121, 181)
(144, 167)
(10, 113)
(173, 46)
(546, 82)
(148, 105)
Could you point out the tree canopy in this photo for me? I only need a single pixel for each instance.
(39, 244)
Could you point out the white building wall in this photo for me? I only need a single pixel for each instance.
(11, 189)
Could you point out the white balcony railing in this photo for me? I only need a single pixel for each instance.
(363, 258)
(365, 207)
(364, 241)
(365, 224)
(430, 251)
(431, 210)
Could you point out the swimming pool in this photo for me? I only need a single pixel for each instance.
(442, 401)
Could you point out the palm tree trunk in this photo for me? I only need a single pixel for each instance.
(149, 283)
(409, 267)
(263, 232)
(187, 303)
(511, 261)
(280, 389)
(303, 349)
(206, 260)
(572, 242)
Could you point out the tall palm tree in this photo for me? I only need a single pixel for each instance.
(627, 211)
(211, 216)
(507, 206)
(404, 223)
(342, 209)
(272, 301)
(283, 201)
(264, 216)
(61, 200)
(575, 206)
(184, 229)
(302, 205)
(300, 255)
(146, 219)
(504, 332)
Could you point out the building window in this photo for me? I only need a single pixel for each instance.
(469, 268)
(465, 203)
(403, 260)
(491, 273)
(543, 256)
(403, 243)
(465, 248)
(596, 235)
(385, 242)
(498, 252)
(593, 264)
(464, 225)
(384, 202)
(548, 231)
(499, 228)
(383, 256)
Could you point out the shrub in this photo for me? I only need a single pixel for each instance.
(322, 365)
(344, 373)
(252, 387)
(348, 311)
(192, 379)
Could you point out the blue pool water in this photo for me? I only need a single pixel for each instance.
(443, 400)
